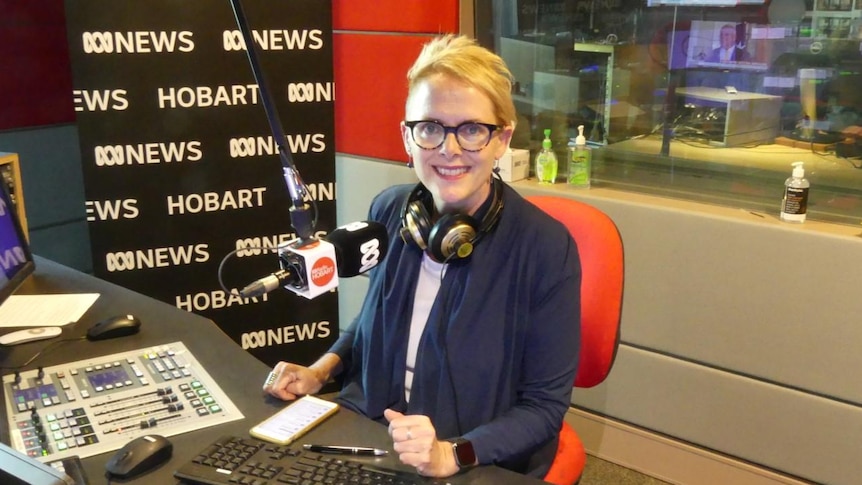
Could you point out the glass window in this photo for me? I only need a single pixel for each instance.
(707, 100)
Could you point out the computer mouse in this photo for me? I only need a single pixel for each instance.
(139, 456)
(116, 326)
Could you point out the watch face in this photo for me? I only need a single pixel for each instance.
(464, 454)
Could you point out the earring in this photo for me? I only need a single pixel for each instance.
(409, 161)
(496, 168)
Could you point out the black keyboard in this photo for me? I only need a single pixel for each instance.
(232, 460)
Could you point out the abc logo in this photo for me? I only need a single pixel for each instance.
(323, 271)
(253, 340)
(370, 254)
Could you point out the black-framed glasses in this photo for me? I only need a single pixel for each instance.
(472, 136)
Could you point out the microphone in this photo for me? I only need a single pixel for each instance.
(308, 267)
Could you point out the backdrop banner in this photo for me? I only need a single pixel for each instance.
(180, 166)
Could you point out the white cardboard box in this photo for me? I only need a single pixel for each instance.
(515, 165)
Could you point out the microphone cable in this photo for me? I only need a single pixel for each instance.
(220, 272)
(232, 291)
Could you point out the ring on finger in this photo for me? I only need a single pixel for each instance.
(272, 377)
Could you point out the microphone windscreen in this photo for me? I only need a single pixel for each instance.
(359, 246)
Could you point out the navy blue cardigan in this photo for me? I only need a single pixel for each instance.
(497, 359)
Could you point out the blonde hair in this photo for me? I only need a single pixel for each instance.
(464, 59)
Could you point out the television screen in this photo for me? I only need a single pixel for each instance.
(716, 45)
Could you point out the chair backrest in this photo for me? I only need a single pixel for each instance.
(602, 272)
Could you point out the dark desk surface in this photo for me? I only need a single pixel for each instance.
(237, 372)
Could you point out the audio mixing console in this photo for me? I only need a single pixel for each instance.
(97, 405)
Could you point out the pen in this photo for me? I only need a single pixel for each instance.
(345, 450)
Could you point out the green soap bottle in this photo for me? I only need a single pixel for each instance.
(546, 162)
(580, 162)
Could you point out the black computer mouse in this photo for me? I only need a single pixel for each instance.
(116, 326)
(140, 455)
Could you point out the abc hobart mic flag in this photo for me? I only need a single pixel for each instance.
(310, 268)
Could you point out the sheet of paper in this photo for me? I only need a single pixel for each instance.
(44, 310)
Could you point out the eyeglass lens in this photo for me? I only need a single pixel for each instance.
(470, 135)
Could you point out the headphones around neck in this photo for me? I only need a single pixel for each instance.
(453, 236)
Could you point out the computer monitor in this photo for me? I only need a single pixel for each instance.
(17, 468)
(16, 260)
(717, 45)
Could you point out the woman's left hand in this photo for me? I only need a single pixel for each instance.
(415, 440)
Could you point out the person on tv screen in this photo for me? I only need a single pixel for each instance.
(470, 361)
(729, 50)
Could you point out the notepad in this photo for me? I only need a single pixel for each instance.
(44, 310)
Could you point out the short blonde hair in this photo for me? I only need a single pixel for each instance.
(464, 59)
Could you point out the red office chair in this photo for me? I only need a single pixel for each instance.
(601, 251)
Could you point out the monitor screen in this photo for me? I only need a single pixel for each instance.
(717, 45)
(17, 468)
(16, 260)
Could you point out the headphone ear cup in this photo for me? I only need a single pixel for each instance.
(452, 236)
(416, 224)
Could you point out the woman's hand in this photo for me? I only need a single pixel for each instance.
(289, 381)
(415, 440)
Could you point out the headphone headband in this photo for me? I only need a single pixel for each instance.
(453, 235)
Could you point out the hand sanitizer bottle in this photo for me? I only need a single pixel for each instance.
(795, 202)
(546, 161)
(580, 162)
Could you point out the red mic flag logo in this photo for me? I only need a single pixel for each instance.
(322, 271)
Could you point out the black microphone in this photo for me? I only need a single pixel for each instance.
(357, 247)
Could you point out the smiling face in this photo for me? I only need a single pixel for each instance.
(458, 180)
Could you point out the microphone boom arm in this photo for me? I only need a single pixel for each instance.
(301, 217)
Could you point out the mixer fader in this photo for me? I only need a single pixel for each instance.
(96, 405)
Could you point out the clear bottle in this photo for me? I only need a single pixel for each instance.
(546, 162)
(580, 162)
(794, 205)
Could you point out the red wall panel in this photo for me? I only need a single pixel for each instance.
(422, 16)
(371, 80)
(36, 84)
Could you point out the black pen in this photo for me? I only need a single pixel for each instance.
(346, 450)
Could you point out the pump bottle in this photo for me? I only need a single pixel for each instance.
(580, 161)
(795, 203)
(546, 161)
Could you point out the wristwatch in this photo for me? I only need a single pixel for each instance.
(465, 456)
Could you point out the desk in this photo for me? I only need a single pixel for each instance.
(238, 373)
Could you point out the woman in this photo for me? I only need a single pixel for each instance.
(469, 357)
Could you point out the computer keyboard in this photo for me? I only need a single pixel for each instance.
(233, 460)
